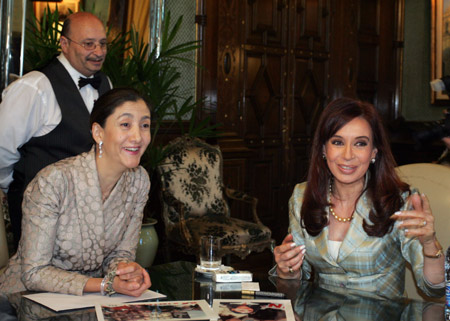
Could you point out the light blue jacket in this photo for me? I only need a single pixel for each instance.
(367, 263)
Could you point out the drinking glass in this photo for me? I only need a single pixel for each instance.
(210, 252)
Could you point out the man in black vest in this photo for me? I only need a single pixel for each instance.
(44, 116)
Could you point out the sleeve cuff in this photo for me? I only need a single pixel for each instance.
(433, 286)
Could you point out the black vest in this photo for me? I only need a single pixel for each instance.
(70, 137)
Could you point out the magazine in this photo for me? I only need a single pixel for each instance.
(166, 310)
(260, 309)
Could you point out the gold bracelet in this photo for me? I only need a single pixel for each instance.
(438, 254)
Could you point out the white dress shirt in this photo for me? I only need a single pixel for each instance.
(29, 109)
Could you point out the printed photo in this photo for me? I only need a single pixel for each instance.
(170, 310)
(253, 310)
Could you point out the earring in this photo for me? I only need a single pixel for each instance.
(373, 160)
(100, 150)
(324, 156)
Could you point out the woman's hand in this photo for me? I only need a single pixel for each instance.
(131, 271)
(131, 279)
(446, 141)
(419, 221)
(289, 258)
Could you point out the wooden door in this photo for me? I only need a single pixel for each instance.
(271, 67)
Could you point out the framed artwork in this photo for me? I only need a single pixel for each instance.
(440, 46)
(64, 7)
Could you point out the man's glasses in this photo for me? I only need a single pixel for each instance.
(91, 45)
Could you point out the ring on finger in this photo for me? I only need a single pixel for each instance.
(291, 270)
(424, 223)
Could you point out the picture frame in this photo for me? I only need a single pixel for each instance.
(440, 46)
(64, 7)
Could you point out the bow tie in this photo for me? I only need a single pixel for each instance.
(94, 82)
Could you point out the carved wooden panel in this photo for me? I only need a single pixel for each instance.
(264, 22)
(263, 94)
(279, 62)
(228, 66)
(310, 24)
(234, 174)
(265, 182)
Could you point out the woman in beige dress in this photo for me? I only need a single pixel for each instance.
(82, 215)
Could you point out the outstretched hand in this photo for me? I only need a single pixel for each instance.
(289, 258)
(446, 141)
(418, 221)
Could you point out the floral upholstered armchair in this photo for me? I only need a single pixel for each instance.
(194, 201)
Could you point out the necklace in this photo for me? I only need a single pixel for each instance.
(338, 218)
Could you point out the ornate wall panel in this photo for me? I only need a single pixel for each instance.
(265, 182)
(264, 22)
(234, 177)
(228, 66)
(311, 24)
(263, 94)
(279, 62)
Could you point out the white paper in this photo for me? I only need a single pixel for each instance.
(60, 302)
(227, 287)
(165, 310)
(250, 286)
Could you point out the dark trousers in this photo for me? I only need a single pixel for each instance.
(15, 198)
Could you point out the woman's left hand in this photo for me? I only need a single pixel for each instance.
(132, 279)
(130, 272)
(418, 221)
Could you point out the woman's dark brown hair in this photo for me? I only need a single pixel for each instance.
(384, 187)
(109, 101)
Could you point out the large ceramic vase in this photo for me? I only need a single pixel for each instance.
(148, 244)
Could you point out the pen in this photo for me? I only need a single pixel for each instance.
(264, 293)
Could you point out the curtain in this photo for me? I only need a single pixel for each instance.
(139, 17)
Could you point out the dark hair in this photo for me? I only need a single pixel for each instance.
(109, 101)
(66, 27)
(233, 305)
(384, 187)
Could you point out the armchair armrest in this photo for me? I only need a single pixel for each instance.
(241, 196)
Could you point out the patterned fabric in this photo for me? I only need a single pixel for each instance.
(364, 262)
(194, 202)
(69, 235)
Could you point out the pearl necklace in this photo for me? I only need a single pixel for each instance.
(338, 218)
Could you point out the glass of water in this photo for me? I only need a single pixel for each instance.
(210, 252)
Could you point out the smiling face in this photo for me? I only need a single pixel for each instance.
(349, 152)
(125, 136)
(243, 309)
(84, 28)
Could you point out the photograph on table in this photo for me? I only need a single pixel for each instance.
(169, 310)
(253, 310)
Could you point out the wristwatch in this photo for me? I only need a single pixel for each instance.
(438, 254)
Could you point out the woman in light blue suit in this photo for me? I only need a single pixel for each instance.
(354, 224)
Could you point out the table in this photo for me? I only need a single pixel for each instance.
(178, 281)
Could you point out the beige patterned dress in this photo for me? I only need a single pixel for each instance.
(68, 235)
